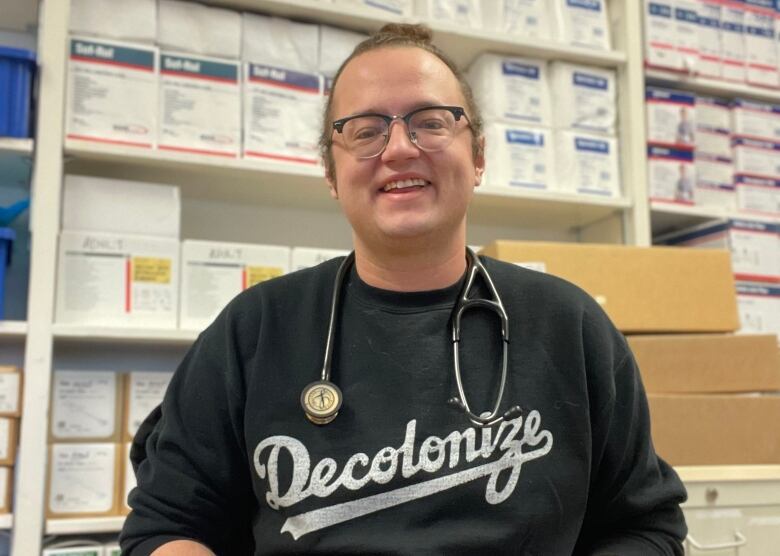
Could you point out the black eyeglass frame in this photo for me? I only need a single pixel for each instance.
(457, 112)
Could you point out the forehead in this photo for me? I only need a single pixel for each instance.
(394, 80)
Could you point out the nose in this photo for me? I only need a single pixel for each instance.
(399, 145)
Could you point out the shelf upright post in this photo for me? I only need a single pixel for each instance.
(44, 225)
(626, 16)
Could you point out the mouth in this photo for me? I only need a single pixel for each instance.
(405, 185)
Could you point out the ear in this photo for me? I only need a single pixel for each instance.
(331, 180)
(479, 161)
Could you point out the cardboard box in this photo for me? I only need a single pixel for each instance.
(10, 391)
(707, 363)
(85, 406)
(9, 439)
(82, 480)
(143, 392)
(716, 429)
(6, 484)
(642, 289)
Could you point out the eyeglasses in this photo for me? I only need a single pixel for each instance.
(431, 128)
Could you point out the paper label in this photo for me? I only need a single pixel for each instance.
(527, 152)
(759, 198)
(672, 180)
(94, 283)
(523, 91)
(209, 286)
(257, 274)
(759, 310)
(756, 120)
(200, 105)
(83, 404)
(761, 161)
(584, 23)
(595, 166)
(660, 35)
(147, 390)
(670, 122)
(112, 93)
(9, 392)
(593, 101)
(279, 108)
(82, 478)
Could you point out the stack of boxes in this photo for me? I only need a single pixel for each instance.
(707, 388)
(110, 275)
(94, 416)
(10, 413)
(573, 150)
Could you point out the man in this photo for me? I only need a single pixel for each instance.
(232, 464)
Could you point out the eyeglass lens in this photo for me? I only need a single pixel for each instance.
(431, 129)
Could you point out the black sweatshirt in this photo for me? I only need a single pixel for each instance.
(232, 462)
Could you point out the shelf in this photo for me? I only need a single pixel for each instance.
(460, 43)
(78, 526)
(703, 473)
(6, 521)
(116, 335)
(15, 160)
(715, 87)
(278, 184)
(670, 217)
(14, 146)
(13, 329)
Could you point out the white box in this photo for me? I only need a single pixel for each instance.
(512, 90)
(587, 164)
(82, 480)
(583, 23)
(305, 257)
(9, 439)
(380, 8)
(336, 45)
(757, 195)
(713, 114)
(200, 105)
(280, 107)
(89, 548)
(518, 157)
(213, 273)
(672, 175)
(111, 93)
(119, 206)
(756, 157)
(686, 22)
(117, 280)
(759, 308)
(671, 117)
(584, 98)
(758, 120)
(84, 406)
(138, 20)
(10, 391)
(715, 183)
(710, 143)
(464, 13)
(661, 35)
(710, 48)
(280, 43)
(529, 19)
(754, 246)
(191, 27)
(760, 47)
(144, 391)
(733, 42)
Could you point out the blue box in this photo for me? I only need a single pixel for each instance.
(17, 68)
(7, 237)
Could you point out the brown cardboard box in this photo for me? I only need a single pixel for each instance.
(716, 429)
(72, 419)
(10, 391)
(73, 488)
(707, 363)
(9, 438)
(642, 289)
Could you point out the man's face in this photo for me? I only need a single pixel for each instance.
(394, 81)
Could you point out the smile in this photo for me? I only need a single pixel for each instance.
(405, 184)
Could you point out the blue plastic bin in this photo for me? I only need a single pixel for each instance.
(7, 237)
(17, 67)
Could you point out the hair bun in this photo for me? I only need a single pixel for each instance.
(416, 32)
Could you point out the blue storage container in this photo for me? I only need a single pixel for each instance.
(17, 67)
(7, 237)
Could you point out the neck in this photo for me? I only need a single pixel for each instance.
(406, 269)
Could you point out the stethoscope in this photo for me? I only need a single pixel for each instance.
(322, 399)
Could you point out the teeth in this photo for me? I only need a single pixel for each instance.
(401, 184)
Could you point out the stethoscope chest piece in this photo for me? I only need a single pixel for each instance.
(321, 401)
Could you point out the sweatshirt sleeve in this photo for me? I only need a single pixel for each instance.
(193, 478)
(635, 497)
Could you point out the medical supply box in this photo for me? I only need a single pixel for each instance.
(144, 391)
(707, 363)
(10, 391)
(722, 429)
(642, 289)
(86, 406)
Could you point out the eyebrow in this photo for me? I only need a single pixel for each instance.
(422, 104)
